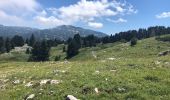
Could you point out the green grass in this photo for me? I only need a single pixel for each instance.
(136, 73)
(14, 56)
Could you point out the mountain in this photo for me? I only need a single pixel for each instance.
(15, 30)
(61, 32)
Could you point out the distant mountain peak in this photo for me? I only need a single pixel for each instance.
(62, 32)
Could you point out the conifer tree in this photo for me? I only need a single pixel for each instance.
(72, 49)
(2, 49)
(8, 45)
(32, 40)
(17, 41)
(40, 51)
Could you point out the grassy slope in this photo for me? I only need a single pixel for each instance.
(136, 73)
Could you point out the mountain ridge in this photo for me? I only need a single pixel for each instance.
(62, 32)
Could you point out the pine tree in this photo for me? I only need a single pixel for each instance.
(2, 48)
(77, 39)
(57, 58)
(8, 45)
(133, 41)
(27, 41)
(35, 52)
(72, 49)
(40, 51)
(64, 48)
(32, 40)
(17, 41)
(27, 51)
(44, 51)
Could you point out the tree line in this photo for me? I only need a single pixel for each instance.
(40, 48)
(77, 42)
(138, 34)
(6, 44)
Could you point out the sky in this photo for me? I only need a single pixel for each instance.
(108, 16)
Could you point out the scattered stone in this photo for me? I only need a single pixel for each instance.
(94, 55)
(29, 84)
(41, 89)
(16, 82)
(63, 71)
(43, 82)
(121, 89)
(31, 96)
(111, 58)
(157, 62)
(24, 82)
(71, 97)
(164, 53)
(55, 81)
(51, 93)
(113, 70)
(97, 72)
(40, 93)
(96, 90)
(59, 71)
(106, 79)
(49, 81)
(5, 81)
(167, 63)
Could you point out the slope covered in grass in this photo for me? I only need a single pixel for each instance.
(118, 71)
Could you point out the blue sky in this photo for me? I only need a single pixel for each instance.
(108, 16)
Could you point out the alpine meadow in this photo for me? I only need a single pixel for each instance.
(84, 50)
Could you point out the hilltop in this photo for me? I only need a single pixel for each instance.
(113, 71)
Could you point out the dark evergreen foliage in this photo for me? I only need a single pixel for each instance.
(8, 45)
(57, 58)
(17, 41)
(133, 41)
(32, 40)
(2, 48)
(28, 51)
(40, 52)
(64, 48)
(90, 41)
(77, 39)
(139, 34)
(72, 49)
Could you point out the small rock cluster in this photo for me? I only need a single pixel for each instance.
(71, 97)
(164, 53)
(43, 82)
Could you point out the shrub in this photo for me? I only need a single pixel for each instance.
(133, 41)
(57, 58)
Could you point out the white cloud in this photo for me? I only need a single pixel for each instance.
(120, 20)
(49, 21)
(17, 12)
(87, 11)
(84, 11)
(6, 19)
(163, 15)
(18, 6)
(95, 24)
